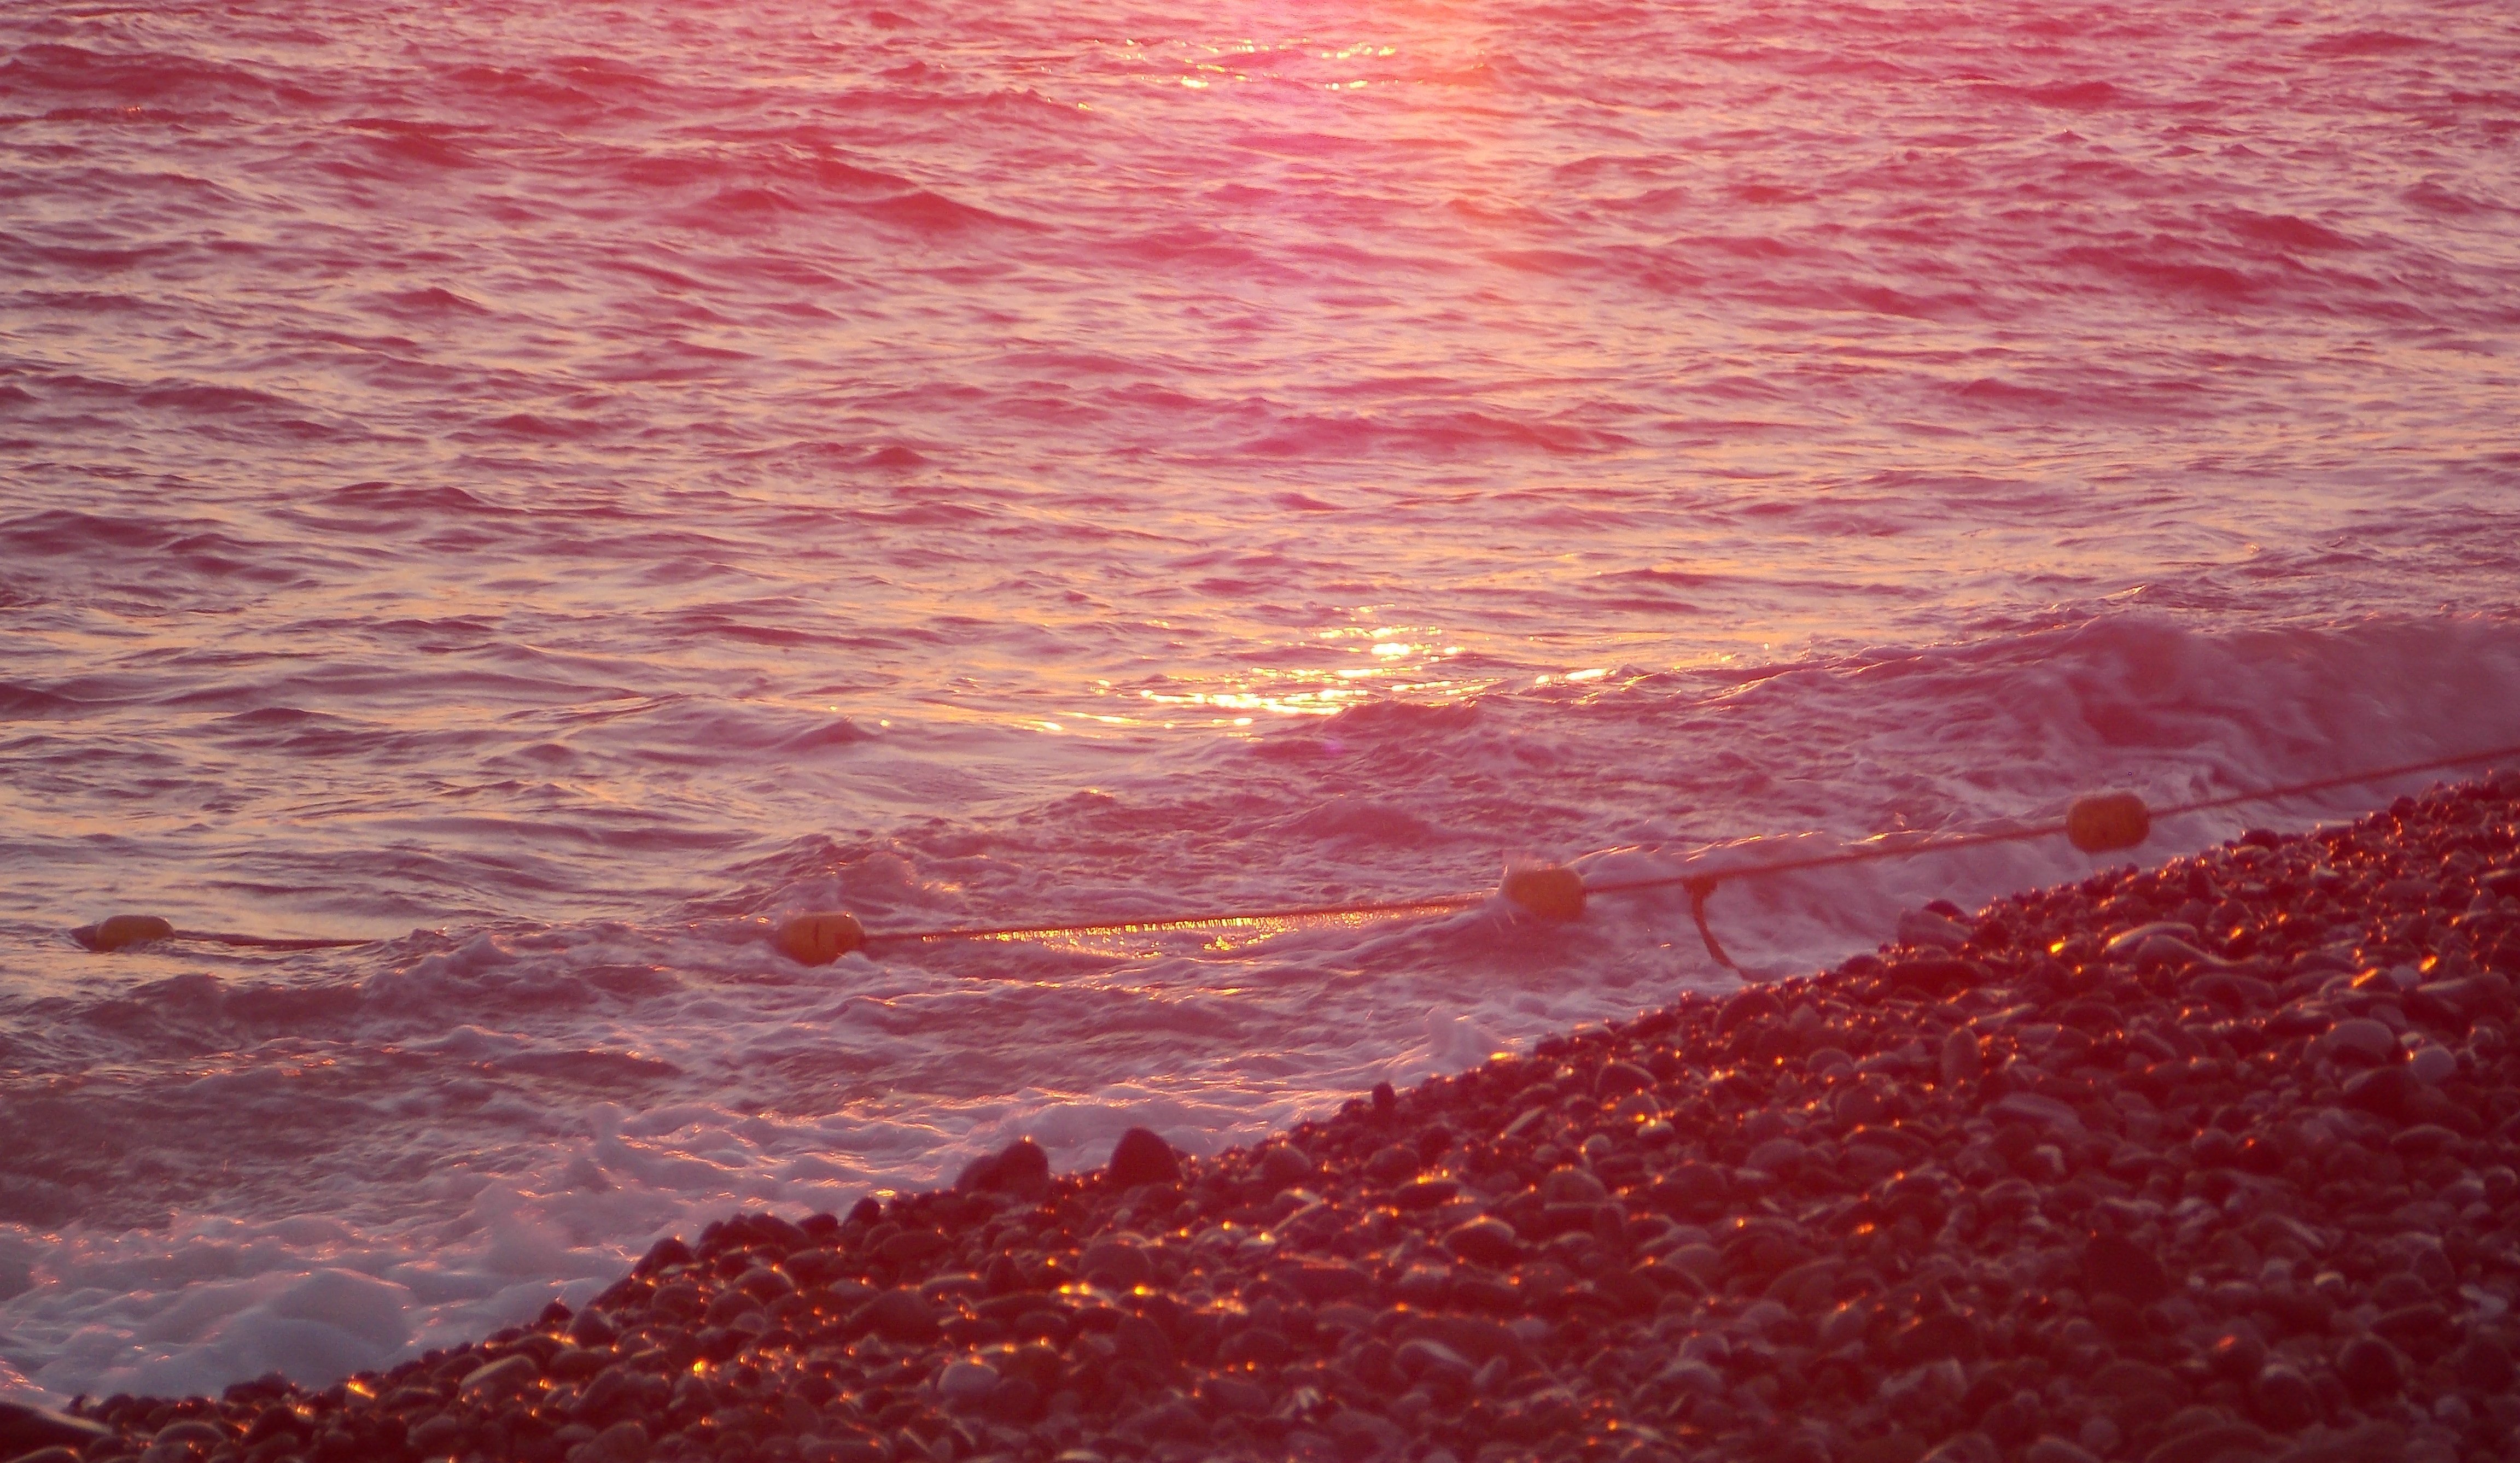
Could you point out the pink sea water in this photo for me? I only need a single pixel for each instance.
(550, 486)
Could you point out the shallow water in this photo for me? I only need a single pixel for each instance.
(547, 490)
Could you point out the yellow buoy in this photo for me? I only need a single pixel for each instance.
(821, 937)
(115, 932)
(2108, 821)
(1550, 891)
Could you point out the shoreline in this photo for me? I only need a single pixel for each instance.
(2212, 1159)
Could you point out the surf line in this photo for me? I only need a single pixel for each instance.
(2097, 823)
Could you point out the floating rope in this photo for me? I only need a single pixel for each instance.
(118, 931)
(2103, 822)
(1699, 888)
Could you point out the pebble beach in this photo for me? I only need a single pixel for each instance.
(2209, 1161)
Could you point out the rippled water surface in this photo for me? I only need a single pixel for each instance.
(551, 488)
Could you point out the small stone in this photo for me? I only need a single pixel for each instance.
(2363, 1037)
(1828, 1061)
(506, 1375)
(2055, 1450)
(622, 1442)
(2133, 941)
(1968, 1447)
(1488, 1241)
(2237, 1356)
(2421, 1140)
(1393, 1163)
(2142, 1386)
(2283, 1398)
(911, 1246)
(2382, 1091)
(1263, 1346)
(1141, 1339)
(901, 1316)
(2215, 1440)
(1283, 1167)
(1480, 1341)
(1690, 1189)
(1321, 1284)
(2115, 1266)
(1861, 1104)
(2432, 1065)
(1423, 1357)
(1424, 1285)
(1752, 1005)
(438, 1434)
(1362, 1434)
(2100, 1436)
(1233, 1395)
(1927, 930)
(1933, 975)
(1807, 1287)
(1962, 1060)
(1618, 1079)
(2370, 1368)
(1019, 1167)
(966, 1384)
(191, 1432)
(1690, 1374)
(2485, 1365)
(2031, 1107)
(1931, 1338)
(1775, 1156)
(1143, 1157)
(1116, 1265)
(1572, 1186)
(24, 1429)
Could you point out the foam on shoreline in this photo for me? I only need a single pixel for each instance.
(2212, 1158)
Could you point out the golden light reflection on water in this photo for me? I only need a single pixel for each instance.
(1222, 935)
(1199, 65)
(1361, 663)
(1321, 673)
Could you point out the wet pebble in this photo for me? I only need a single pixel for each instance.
(1142, 1156)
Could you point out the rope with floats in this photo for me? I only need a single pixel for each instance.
(2098, 824)
(121, 931)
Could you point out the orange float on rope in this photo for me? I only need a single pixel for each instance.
(1551, 890)
(120, 931)
(820, 938)
(2106, 821)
